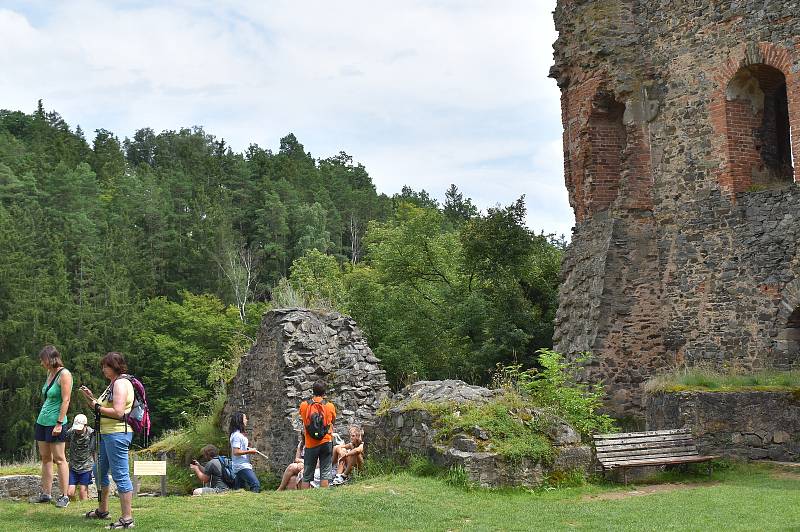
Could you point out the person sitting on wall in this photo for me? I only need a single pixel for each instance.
(209, 474)
(293, 474)
(349, 456)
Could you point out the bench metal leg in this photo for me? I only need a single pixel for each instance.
(625, 475)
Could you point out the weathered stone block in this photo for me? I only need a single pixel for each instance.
(746, 425)
(407, 428)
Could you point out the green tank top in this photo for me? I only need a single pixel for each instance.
(48, 415)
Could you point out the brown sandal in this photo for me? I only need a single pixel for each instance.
(96, 514)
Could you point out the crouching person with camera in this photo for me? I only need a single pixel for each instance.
(213, 473)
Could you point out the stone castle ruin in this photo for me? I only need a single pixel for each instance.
(295, 348)
(681, 139)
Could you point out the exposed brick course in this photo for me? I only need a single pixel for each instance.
(680, 169)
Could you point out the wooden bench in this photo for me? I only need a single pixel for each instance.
(641, 449)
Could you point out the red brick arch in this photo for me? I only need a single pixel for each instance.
(729, 118)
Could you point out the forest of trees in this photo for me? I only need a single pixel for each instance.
(169, 247)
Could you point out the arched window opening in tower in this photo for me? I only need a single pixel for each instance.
(607, 146)
(759, 137)
(789, 341)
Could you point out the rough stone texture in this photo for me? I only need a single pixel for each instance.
(295, 348)
(746, 425)
(407, 428)
(677, 161)
(453, 391)
(20, 487)
(23, 486)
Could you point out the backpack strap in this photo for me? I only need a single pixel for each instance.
(52, 382)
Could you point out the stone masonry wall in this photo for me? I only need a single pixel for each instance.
(295, 348)
(691, 255)
(744, 425)
(409, 428)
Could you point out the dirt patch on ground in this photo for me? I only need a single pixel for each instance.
(782, 474)
(645, 490)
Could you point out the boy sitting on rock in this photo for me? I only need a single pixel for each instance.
(349, 455)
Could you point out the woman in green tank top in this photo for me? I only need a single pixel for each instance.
(49, 428)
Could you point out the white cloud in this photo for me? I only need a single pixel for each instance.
(422, 93)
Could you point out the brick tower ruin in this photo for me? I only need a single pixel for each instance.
(681, 139)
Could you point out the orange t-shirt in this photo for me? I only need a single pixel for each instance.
(330, 417)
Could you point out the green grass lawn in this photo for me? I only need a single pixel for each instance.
(746, 497)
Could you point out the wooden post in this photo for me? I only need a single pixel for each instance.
(163, 456)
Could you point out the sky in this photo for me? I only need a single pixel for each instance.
(422, 93)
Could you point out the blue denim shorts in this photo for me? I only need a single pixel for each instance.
(114, 458)
(80, 479)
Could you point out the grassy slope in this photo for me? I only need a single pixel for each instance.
(703, 379)
(747, 498)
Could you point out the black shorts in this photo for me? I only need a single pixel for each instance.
(323, 453)
(45, 433)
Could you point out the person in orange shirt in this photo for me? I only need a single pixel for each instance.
(317, 416)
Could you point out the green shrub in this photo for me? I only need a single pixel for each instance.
(185, 443)
(511, 435)
(554, 386)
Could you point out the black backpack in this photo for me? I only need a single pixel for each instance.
(315, 419)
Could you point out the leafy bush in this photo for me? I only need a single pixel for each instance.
(555, 386)
(185, 443)
(512, 434)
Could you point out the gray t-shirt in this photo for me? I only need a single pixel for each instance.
(81, 449)
(214, 470)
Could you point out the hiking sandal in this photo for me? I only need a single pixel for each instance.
(121, 523)
(96, 514)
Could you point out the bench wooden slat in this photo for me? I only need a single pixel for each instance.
(650, 448)
(641, 452)
(617, 435)
(644, 445)
(653, 456)
(664, 461)
(649, 439)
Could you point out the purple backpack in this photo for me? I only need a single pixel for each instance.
(139, 416)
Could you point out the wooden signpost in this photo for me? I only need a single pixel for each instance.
(150, 468)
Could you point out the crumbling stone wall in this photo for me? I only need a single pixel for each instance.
(295, 348)
(748, 425)
(691, 254)
(408, 428)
